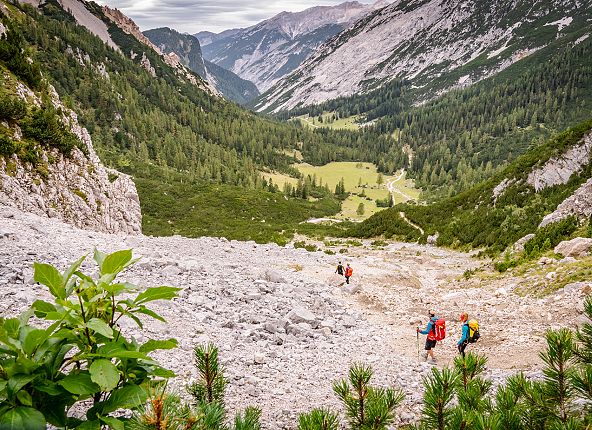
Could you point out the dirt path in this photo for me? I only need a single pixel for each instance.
(415, 226)
(399, 285)
(390, 186)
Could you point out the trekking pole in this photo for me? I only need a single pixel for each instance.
(417, 333)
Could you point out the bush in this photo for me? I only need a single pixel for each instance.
(79, 356)
(548, 237)
(11, 108)
(44, 126)
(7, 145)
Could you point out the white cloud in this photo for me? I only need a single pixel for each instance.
(192, 16)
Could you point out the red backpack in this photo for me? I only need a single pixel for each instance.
(439, 329)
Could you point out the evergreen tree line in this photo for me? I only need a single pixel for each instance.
(386, 100)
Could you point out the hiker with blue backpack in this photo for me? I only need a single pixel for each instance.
(435, 331)
(470, 333)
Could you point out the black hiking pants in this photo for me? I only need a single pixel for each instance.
(461, 348)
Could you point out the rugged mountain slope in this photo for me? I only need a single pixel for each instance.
(48, 165)
(273, 48)
(542, 188)
(437, 44)
(187, 48)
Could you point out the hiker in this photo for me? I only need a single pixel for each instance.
(348, 272)
(339, 269)
(470, 333)
(431, 339)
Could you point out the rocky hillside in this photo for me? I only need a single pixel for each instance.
(267, 51)
(47, 162)
(285, 328)
(188, 50)
(436, 44)
(542, 191)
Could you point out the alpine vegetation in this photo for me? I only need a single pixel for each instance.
(67, 362)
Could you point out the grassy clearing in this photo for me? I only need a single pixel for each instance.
(353, 174)
(279, 179)
(348, 123)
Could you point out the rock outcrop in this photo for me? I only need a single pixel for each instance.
(76, 188)
(559, 169)
(579, 204)
(578, 247)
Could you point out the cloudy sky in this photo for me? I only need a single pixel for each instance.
(192, 16)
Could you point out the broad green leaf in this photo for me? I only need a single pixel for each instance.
(99, 257)
(12, 327)
(113, 423)
(116, 262)
(25, 398)
(50, 388)
(118, 350)
(144, 310)
(79, 384)
(105, 374)
(163, 373)
(156, 293)
(42, 308)
(120, 288)
(49, 276)
(34, 340)
(22, 418)
(100, 327)
(73, 268)
(153, 345)
(16, 382)
(3, 383)
(90, 425)
(127, 397)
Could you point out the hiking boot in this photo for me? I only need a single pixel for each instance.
(433, 361)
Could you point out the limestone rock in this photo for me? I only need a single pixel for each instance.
(273, 276)
(301, 315)
(77, 189)
(576, 247)
(519, 245)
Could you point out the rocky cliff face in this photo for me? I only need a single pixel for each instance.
(558, 170)
(77, 189)
(437, 44)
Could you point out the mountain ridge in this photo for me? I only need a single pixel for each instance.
(266, 51)
(425, 42)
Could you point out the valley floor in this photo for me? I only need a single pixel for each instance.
(239, 294)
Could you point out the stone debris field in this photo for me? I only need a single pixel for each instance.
(285, 326)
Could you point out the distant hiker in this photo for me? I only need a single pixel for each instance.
(435, 330)
(348, 272)
(339, 269)
(470, 333)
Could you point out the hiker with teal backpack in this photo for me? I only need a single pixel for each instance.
(435, 331)
(470, 333)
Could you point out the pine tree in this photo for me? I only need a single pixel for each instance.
(366, 407)
(318, 419)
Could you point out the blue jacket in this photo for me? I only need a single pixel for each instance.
(430, 325)
(465, 333)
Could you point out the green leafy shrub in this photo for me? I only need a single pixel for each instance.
(79, 356)
(7, 145)
(44, 126)
(549, 236)
(11, 108)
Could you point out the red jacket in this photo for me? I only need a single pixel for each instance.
(348, 271)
